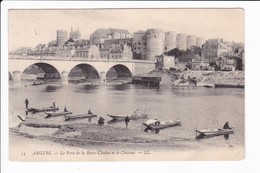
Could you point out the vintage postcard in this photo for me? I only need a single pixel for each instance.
(163, 84)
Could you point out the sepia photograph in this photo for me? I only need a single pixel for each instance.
(126, 84)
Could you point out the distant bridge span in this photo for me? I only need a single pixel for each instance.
(17, 65)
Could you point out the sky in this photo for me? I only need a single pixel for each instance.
(27, 28)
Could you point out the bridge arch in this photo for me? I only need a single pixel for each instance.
(50, 71)
(85, 70)
(118, 71)
(121, 68)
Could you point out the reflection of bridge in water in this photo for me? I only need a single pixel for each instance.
(61, 67)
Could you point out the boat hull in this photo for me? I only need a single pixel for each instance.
(131, 117)
(55, 114)
(35, 110)
(162, 125)
(77, 117)
(207, 133)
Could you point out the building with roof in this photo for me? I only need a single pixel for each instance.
(164, 62)
(152, 80)
(89, 52)
(76, 43)
(119, 51)
(199, 63)
(43, 52)
(139, 45)
(213, 48)
(100, 35)
(121, 41)
(65, 52)
(229, 63)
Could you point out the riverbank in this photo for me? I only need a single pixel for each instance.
(102, 142)
(225, 79)
(89, 137)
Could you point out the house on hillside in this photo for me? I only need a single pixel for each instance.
(164, 62)
(199, 63)
(229, 63)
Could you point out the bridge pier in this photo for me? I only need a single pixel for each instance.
(65, 78)
(103, 77)
(17, 78)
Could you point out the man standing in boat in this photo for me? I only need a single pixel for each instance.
(26, 103)
(126, 121)
(53, 104)
(226, 126)
(89, 111)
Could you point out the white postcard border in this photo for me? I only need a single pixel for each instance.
(252, 30)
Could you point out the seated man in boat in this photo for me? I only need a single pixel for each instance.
(65, 110)
(89, 111)
(226, 126)
(157, 123)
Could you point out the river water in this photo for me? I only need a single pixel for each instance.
(196, 107)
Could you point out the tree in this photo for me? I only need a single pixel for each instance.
(196, 50)
(52, 43)
(174, 52)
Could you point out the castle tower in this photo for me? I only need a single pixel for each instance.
(181, 41)
(61, 37)
(155, 43)
(191, 41)
(170, 40)
(200, 41)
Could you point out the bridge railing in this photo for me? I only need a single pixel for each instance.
(56, 58)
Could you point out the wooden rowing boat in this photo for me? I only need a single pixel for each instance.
(80, 116)
(35, 110)
(36, 84)
(131, 117)
(55, 114)
(155, 124)
(206, 133)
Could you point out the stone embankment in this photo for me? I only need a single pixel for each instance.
(234, 79)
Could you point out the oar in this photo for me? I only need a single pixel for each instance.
(20, 118)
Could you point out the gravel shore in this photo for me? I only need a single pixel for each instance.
(100, 142)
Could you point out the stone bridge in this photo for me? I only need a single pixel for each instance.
(63, 66)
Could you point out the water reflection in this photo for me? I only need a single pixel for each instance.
(120, 87)
(51, 88)
(86, 88)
